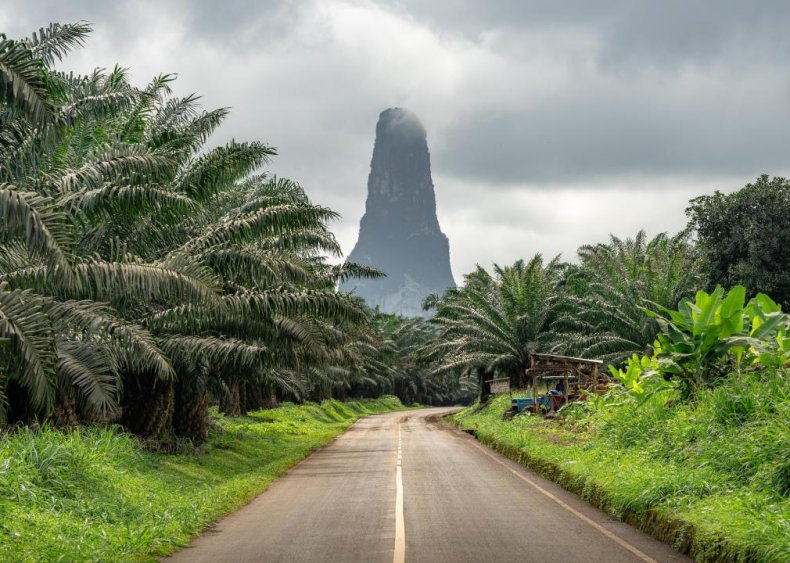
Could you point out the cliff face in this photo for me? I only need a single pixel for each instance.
(399, 233)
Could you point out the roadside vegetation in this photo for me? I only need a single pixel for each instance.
(691, 440)
(95, 494)
(157, 292)
(149, 279)
(709, 477)
(690, 443)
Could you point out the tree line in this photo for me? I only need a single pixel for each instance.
(605, 306)
(145, 275)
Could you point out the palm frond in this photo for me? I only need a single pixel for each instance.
(29, 334)
(37, 221)
(88, 368)
(23, 85)
(55, 41)
(126, 200)
(221, 167)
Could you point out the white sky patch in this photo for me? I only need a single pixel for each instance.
(505, 226)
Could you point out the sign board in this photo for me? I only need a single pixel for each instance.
(500, 386)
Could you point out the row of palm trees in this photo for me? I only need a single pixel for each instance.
(597, 308)
(144, 275)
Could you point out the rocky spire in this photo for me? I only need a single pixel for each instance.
(399, 233)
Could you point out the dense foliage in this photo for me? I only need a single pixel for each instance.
(144, 274)
(710, 476)
(745, 237)
(697, 427)
(705, 340)
(605, 294)
(489, 326)
(93, 494)
(493, 323)
(412, 342)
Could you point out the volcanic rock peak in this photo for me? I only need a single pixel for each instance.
(399, 233)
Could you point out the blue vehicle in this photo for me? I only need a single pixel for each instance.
(519, 404)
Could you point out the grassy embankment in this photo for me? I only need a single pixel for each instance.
(711, 477)
(95, 494)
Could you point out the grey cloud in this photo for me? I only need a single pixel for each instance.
(649, 91)
(643, 32)
(723, 127)
(234, 23)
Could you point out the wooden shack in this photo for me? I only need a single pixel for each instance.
(579, 375)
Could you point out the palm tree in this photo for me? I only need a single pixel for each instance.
(59, 338)
(414, 380)
(605, 295)
(139, 270)
(493, 323)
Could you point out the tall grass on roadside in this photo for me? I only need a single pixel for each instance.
(94, 494)
(711, 476)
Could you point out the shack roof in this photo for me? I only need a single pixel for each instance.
(547, 363)
(565, 359)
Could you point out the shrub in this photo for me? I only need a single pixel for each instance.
(705, 339)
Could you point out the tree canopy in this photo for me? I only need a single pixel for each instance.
(745, 237)
(144, 273)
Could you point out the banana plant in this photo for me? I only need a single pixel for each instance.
(768, 340)
(640, 379)
(694, 340)
(700, 341)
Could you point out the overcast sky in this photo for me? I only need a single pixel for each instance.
(551, 124)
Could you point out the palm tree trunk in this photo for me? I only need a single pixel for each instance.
(190, 416)
(148, 406)
(64, 413)
(257, 396)
(230, 403)
(516, 379)
(485, 388)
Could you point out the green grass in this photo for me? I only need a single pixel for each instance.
(711, 476)
(94, 494)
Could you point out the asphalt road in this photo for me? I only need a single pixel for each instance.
(405, 486)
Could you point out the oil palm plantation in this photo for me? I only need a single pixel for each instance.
(605, 295)
(414, 339)
(389, 357)
(141, 270)
(491, 324)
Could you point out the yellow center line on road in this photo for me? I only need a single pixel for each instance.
(399, 555)
(612, 536)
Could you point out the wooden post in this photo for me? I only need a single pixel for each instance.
(531, 372)
(485, 386)
(565, 387)
(595, 377)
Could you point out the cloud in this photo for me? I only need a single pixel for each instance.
(715, 122)
(668, 33)
(522, 221)
(550, 124)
